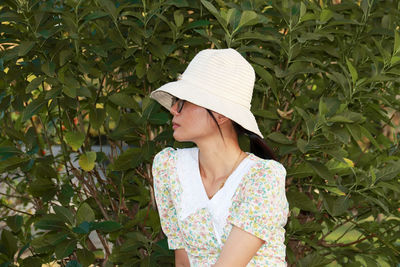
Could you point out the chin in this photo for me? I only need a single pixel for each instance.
(179, 138)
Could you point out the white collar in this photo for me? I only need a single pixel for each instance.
(194, 196)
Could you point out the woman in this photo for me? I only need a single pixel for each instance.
(218, 205)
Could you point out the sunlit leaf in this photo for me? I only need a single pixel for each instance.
(87, 160)
(74, 139)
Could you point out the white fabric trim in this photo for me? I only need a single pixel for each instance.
(194, 196)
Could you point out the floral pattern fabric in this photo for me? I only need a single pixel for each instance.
(258, 206)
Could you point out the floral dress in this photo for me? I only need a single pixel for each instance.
(252, 198)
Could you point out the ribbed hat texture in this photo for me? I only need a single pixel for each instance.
(217, 79)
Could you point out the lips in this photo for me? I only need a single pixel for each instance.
(175, 125)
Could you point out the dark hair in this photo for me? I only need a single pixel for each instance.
(257, 145)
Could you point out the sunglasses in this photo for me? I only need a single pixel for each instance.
(180, 102)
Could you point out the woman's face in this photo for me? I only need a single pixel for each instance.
(192, 122)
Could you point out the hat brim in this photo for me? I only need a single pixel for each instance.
(184, 90)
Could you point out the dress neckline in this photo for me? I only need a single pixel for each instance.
(227, 181)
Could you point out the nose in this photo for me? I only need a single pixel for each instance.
(173, 110)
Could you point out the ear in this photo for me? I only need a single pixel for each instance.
(221, 119)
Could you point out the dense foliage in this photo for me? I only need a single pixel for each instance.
(78, 130)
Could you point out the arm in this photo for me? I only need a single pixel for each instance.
(181, 258)
(162, 171)
(258, 215)
(241, 244)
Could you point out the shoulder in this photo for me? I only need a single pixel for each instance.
(266, 171)
(268, 166)
(165, 154)
(169, 156)
(164, 159)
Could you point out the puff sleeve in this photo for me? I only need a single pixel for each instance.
(261, 208)
(164, 175)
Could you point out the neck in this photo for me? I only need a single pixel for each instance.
(217, 158)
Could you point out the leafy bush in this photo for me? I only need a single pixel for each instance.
(78, 130)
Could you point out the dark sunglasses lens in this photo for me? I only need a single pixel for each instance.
(180, 105)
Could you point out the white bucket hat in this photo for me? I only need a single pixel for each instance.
(217, 79)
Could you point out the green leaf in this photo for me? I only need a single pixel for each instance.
(84, 213)
(309, 16)
(25, 47)
(83, 228)
(336, 206)
(334, 190)
(266, 114)
(354, 130)
(267, 77)
(123, 100)
(53, 93)
(86, 257)
(140, 68)
(95, 15)
(367, 134)
(84, 91)
(109, 6)
(65, 248)
(148, 150)
(50, 222)
(377, 202)
(12, 163)
(65, 194)
(65, 56)
(42, 187)
(42, 170)
(325, 15)
(10, 242)
(394, 186)
(15, 222)
(46, 242)
(308, 227)
(314, 260)
(154, 73)
(49, 68)
(97, 117)
(321, 170)
(74, 139)
(301, 201)
(279, 138)
(65, 214)
(32, 108)
(303, 9)
(353, 71)
(178, 17)
(130, 159)
(390, 171)
(215, 13)
(302, 145)
(369, 260)
(87, 160)
(396, 47)
(248, 17)
(32, 261)
(106, 226)
(347, 117)
(160, 118)
(34, 84)
(196, 24)
(73, 263)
